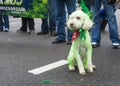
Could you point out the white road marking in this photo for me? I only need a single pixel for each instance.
(15, 23)
(48, 67)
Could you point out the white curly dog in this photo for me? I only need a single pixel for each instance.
(81, 50)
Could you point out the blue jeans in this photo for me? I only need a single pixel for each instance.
(113, 29)
(4, 21)
(61, 17)
(50, 23)
(52, 15)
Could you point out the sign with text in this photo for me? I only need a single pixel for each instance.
(24, 8)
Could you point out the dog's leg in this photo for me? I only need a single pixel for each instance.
(89, 60)
(71, 61)
(71, 64)
(80, 65)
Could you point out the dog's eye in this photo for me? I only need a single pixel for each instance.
(78, 18)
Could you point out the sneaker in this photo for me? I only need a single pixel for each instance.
(20, 31)
(53, 33)
(31, 31)
(116, 46)
(42, 33)
(6, 30)
(57, 41)
(95, 45)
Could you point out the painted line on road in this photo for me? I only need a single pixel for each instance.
(15, 23)
(48, 67)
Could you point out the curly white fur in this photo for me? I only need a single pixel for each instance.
(79, 19)
(81, 50)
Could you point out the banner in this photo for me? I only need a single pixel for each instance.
(24, 8)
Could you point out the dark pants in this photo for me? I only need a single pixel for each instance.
(27, 22)
(45, 25)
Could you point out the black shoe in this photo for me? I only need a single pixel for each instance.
(69, 42)
(1, 30)
(116, 46)
(56, 41)
(95, 45)
(42, 33)
(53, 33)
(21, 31)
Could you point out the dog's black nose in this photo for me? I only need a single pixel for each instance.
(71, 24)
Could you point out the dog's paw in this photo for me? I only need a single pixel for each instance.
(71, 68)
(83, 73)
(94, 67)
(89, 70)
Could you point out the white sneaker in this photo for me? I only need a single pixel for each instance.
(6, 30)
(95, 44)
(116, 46)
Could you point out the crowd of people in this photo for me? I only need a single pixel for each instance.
(55, 22)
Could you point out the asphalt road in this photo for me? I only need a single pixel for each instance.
(21, 52)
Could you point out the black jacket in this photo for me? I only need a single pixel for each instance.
(88, 2)
(91, 2)
(111, 1)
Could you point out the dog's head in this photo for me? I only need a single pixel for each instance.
(78, 19)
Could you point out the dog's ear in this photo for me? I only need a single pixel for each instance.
(87, 23)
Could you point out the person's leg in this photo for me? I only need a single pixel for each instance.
(1, 23)
(103, 20)
(113, 28)
(6, 23)
(23, 28)
(24, 24)
(103, 24)
(96, 37)
(71, 6)
(31, 25)
(61, 18)
(44, 27)
(52, 16)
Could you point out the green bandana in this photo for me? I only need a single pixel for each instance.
(85, 9)
(82, 34)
